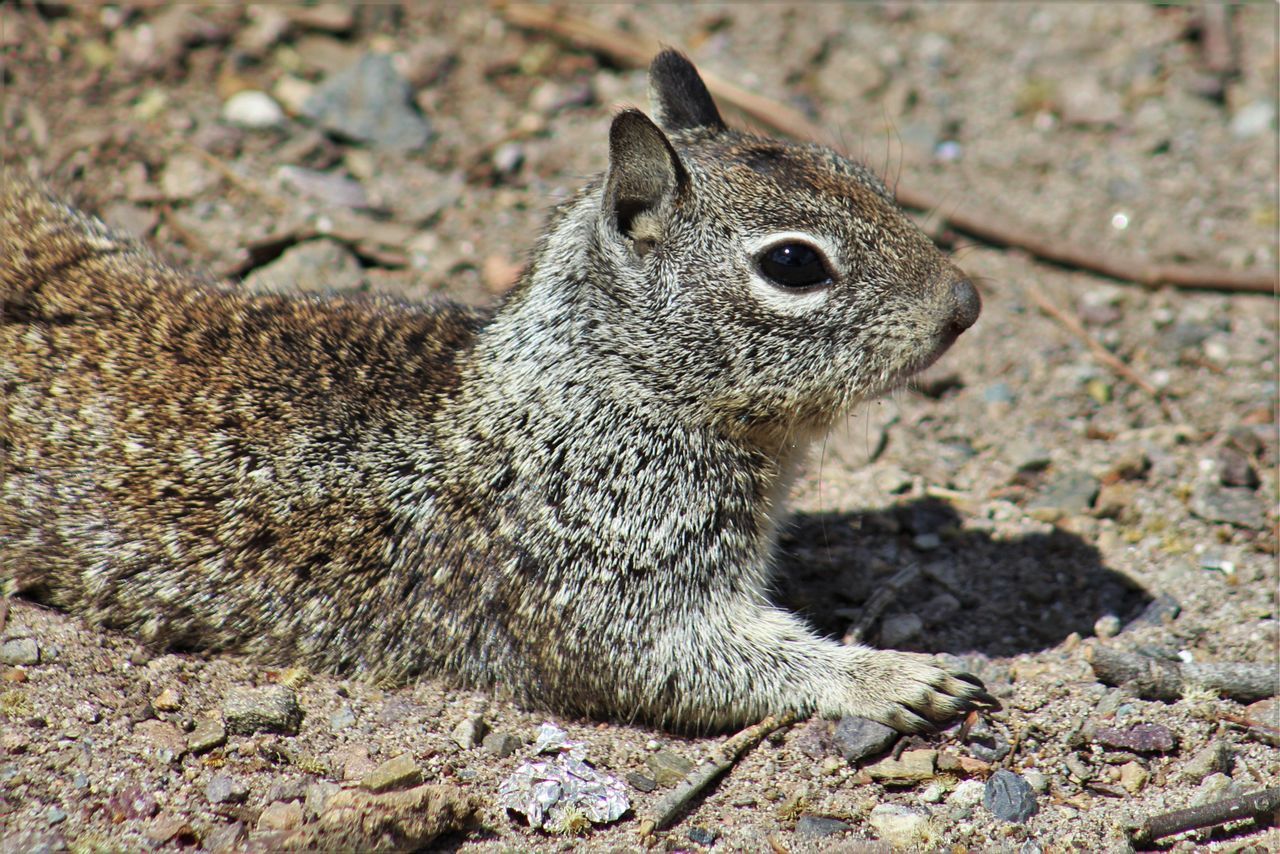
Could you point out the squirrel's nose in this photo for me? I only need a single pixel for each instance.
(965, 305)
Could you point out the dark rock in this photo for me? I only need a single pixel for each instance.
(821, 825)
(986, 743)
(1140, 738)
(641, 782)
(703, 835)
(1009, 797)
(501, 744)
(270, 709)
(1234, 469)
(859, 738)
(1160, 611)
(369, 102)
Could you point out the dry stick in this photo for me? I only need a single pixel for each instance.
(1162, 679)
(636, 50)
(712, 767)
(880, 600)
(1263, 804)
(1101, 353)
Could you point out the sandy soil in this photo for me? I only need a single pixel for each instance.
(1047, 504)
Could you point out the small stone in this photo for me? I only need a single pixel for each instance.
(369, 102)
(501, 744)
(131, 803)
(1009, 797)
(1215, 758)
(1077, 768)
(317, 266)
(1115, 500)
(860, 738)
(316, 796)
(900, 628)
(329, 188)
(912, 767)
(1253, 119)
(224, 789)
(892, 479)
(20, 651)
(1234, 469)
(470, 732)
(926, 542)
(1233, 505)
(167, 700)
(160, 741)
(253, 110)
(1133, 777)
(939, 609)
(167, 827)
(1067, 493)
(1025, 455)
(1082, 100)
(1140, 738)
(703, 836)
(1107, 626)
(641, 783)
(399, 773)
(987, 743)
(55, 815)
(902, 827)
(1215, 787)
(207, 735)
(668, 768)
(1267, 714)
(273, 708)
(1162, 610)
(1039, 782)
(831, 765)
(508, 158)
(933, 793)
(341, 719)
(354, 761)
(968, 793)
(185, 177)
(280, 816)
(226, 837)
(821, 825)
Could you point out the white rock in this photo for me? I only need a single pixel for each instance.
(901, 827)
(968, 793)
(253, 109)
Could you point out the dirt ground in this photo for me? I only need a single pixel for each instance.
(1023, 503)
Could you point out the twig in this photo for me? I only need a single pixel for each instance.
(1161, 679)
(635, 50)
(881, 599)
(1101, 353)
(1256, 805)
(666, 811)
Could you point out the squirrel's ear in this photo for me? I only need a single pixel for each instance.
(678, 97)
(645, 174)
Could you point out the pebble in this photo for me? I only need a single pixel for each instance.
(316, 266)
(168, 700)
(1235, 469)
(668, 768)
(1009, 797)
(986, 743)
(1000, 393)
(902, 827)
(912, 767)
(186, 176)
(1067, 493)
(317, 795)
(1234, 505)
(341, 719)
(1140, 738)
(1107, 626)
(1133, 777)
(369, 102)
(225, 837)
(1082, 100)
(501, 744)
(641, 782)
(160, 741)
(329, 188)
(933, 793)
(860, 738)
(925, 542)
(1214, 758)
(224, 789)
(968, 793)
(508, 158)
(131, 803)
(896, 630)
(280, 816)
(1215, 787)
(397, 773)
(55, 815)
(273, 708)
(207, 735)
(16, 651)
(939, 609)
(1036, 780)
(469, 733)
(253, 109)
(1253, 119)
(821, 825)
(702, 835)
(1267, 714)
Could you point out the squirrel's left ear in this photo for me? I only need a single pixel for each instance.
(645, 176)
(678, 97)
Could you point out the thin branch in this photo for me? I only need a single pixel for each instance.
(1258, 805)
(1101, 353)
(1162, 679)
(635, 50)
(721, 760)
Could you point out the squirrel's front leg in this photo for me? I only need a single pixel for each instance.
(751, 659)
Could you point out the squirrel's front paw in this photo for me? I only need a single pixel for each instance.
(908, 691)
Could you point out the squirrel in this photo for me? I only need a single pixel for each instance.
(572, 497)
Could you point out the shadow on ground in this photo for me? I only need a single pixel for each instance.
(973, 594)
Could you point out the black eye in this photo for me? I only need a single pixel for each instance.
(794, 265)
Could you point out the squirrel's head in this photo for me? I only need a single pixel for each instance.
(776, 282)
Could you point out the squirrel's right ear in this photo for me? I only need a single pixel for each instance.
(678, 97)
(645, 176)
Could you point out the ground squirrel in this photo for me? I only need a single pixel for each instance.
(573, 496)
